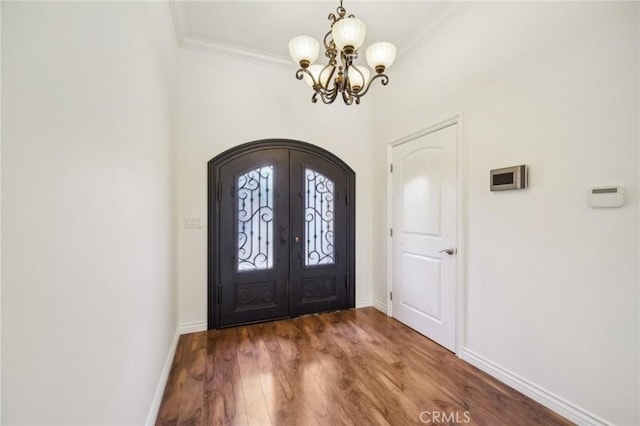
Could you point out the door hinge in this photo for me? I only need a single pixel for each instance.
(391, 168)
(219, 295)
(219, 190)
(391, 232)
(390, 295)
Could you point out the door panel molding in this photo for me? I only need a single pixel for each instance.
(321, 292)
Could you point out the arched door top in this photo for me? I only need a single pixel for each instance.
(263, 144)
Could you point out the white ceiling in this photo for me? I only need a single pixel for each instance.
(264, 28)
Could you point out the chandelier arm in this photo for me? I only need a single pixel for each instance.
(359, 72)
(326, 99)
(330, 95)
(329, 78)
(341, 10)
(302, 71)
(353, 99)
(384, 81)
(330, 50)
(327, 44)
(346, 84)
(347, 62)
(322, 94)
(325, 91)
(347, 98)
(346, 65)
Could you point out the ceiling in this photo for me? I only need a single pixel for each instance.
(263, 28)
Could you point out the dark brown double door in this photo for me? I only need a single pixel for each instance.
(282, 240)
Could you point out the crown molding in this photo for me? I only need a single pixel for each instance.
(213, 47)
(179, 18)
(200, 44)
(440, 21)
(233, 51)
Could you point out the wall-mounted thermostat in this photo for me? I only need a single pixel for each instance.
(605, 196)
(508, 178)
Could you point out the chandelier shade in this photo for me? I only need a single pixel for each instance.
(349, 32)
(318, 74)
(381, 54)
(304, 50)
(358, 77)
(340, 76)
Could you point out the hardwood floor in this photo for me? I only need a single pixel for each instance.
(355, 367)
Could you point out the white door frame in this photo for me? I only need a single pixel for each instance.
(460, 244)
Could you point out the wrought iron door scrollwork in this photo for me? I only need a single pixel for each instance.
(319, 218)
(255, 219)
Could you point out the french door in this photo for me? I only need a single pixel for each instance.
(281, 233)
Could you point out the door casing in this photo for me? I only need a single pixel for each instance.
(461, 190)
(213, 225)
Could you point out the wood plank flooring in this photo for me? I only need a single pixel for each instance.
(355, 367)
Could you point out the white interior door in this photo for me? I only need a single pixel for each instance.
(425, 227)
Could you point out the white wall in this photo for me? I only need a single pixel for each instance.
(0, 218)
(89, 307)
(551, 289)
(226, 102)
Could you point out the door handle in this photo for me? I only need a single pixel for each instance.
(449, 251)
(296, 239)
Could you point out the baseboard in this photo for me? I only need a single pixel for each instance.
(192, 327)
(162, 383)
(549, 399)
(363, 303)
(195, 326)
(382, 307)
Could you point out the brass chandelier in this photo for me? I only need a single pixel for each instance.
(341, 43)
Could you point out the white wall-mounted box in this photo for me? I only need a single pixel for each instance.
(605, 196)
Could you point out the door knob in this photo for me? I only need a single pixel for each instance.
(449, 251)
(296, 239)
